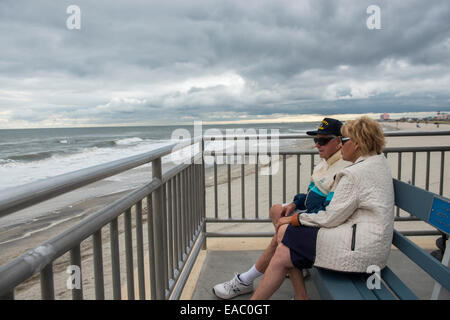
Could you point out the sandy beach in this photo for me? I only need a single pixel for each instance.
(21, 238)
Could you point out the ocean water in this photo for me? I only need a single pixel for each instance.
(28, 155)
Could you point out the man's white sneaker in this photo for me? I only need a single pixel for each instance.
(232, 288)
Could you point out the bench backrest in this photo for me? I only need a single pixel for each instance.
(432, 209)
(425, 205)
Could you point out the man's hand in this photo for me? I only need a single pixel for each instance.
(288, 209)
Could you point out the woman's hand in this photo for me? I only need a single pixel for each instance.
(281, 221)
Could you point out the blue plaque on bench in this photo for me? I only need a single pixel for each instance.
(440, 215)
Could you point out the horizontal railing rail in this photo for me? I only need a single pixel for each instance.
(305, 136)
(314, 152)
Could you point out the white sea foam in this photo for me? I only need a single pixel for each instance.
(7, 162)
(128, 141)
(298, 131)
(51, 225)
(18, 173)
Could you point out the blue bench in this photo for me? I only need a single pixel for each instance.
(424, 205)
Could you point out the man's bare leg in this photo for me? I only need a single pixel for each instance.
(264, 259)
(243, 283)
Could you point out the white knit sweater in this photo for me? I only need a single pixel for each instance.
(356, 228)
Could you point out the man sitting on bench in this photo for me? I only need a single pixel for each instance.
(327, 141)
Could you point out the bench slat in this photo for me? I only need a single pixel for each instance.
(440, 215)
(337, 285)
(423, 259)
(412, 199)
(360, 284)
(396, 285)
(383, 293)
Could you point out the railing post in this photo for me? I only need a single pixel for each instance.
(151, 246)
(115, 258)
(216, 201)
(229, 188)
(75, 260)
(8, 296)
(98, 265)
(129, 254)
(270, 180)
(243, 189)
(203, 191)
(441, 176)
(176, 222)
(256, 187)
(284, 178)
(164, 236)
(140, 250)
(184, 210)
(170, 230)
(399, 177)
(413, 176)
(47, 285)
(427, 172)
(298, 173)
(180, 217)
(157, 203)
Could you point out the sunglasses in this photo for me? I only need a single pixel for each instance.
(344, 140)
(323, 141)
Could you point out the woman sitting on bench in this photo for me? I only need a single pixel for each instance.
(355, 231)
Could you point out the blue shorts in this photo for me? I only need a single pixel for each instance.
(301, 242)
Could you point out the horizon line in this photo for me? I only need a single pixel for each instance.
(282, 119)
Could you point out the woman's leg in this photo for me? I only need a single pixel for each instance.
(275, 273)
(298, 283)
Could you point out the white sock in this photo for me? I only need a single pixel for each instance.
(248, 277)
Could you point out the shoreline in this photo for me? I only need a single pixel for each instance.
(33, 234)
(412, 126)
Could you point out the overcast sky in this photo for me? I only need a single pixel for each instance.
(157, 62)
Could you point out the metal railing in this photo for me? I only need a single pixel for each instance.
(212, 216)
(175, 205)
(175, 218)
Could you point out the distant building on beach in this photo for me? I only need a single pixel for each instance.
(442, 116)
(439, 117)
(385, 116)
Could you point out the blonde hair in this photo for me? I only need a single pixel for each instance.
(367, 133)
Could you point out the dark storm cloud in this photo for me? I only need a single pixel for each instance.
(165, 61)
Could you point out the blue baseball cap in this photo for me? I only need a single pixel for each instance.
(327, 126)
